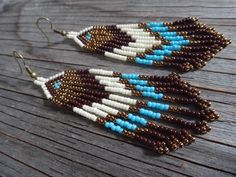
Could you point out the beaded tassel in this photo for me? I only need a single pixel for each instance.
(184, 44)
(140, 107)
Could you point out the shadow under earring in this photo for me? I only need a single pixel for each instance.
(184, 45)
(161, 112)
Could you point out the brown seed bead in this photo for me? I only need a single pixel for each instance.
(141, 103)
(117, 74)
(133, 109)
(122, 114)
(100, 121)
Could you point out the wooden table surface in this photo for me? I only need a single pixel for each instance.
(37, 139)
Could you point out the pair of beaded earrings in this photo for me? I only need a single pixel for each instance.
(144, 108)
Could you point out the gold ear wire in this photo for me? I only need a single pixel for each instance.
(17, 56)
(54, 29)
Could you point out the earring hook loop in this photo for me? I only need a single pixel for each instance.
(17, 55)
(54, 29)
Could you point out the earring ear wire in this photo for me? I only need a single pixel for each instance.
(17, 55)
(54, 29)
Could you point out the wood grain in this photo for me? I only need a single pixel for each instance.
(37, 139)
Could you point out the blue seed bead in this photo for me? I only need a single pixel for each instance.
(151, 114)
(131, 117)
(167, 52)
(138, 82)
(159, 29)
(133, 127)
(160, 95)
(186, 42)
(129, 126)
(145, 88)
(166, 107)
(125, 124)
(155, 24)
(143, 122)
(132, 81)
(57, 85)
(130, 76)
(143, 61)
(107, 124)
(158, 52)
(88, 36)
(176, 47)
(143, 111)
(120, 130)
(161, 107)
(146, 94)
(157, 116)
(113, 127)
(119, 121)
(168, 34)
(154, 57)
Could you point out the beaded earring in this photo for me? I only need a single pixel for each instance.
(144, 108)
(184, 44)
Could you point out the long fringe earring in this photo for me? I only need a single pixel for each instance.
(184, 45)
(140, 107)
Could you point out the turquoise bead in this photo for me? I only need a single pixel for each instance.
(88, 36)
(143, 61)
(159, 29)
(152, 95)
(107, 124)
(154, 57)
(143, 122)
(168, 34)
(138, 82)
(137, 119)
(145, 88)
(130, 76)
(126, 124)
(114, 127)
(158, 105)
(155, 24)
(57, 85)
(150, 113)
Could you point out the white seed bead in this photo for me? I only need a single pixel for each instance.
(115, 104)
(85, 114)
(115, 56)
(101, 72)
(143, 37)
(124, 52)
(105, 108)
(111, 79)
(42, 79)
(72, 34)
(131, 29)
(118, 90)
(135, 44)
(38, 82)
(127, 26)
(94, 110)
(133, 49)
(56, 75)
(139, 33)
(46, 92)
(112, 84)
(123, 99)
(148, 41)
(78, 41)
